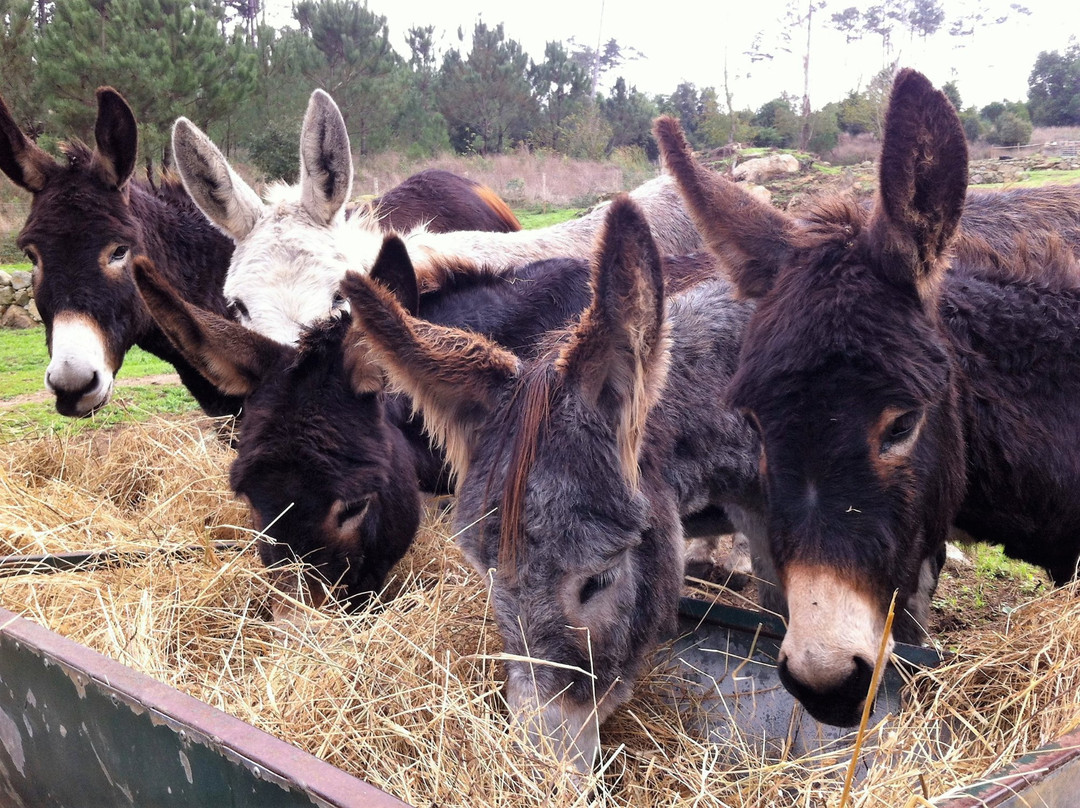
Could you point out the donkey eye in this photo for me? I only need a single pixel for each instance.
(597, 583)
(353, 509)
(237, 308)
(340, 303)
(901, 428)
(31, 256)
(751, 421)
(119, 254)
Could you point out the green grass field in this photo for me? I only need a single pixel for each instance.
(23, 359)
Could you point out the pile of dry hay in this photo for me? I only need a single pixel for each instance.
(407, 695)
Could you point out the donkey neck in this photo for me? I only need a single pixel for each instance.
(705, 450)
(192, 253)
(1018, 349)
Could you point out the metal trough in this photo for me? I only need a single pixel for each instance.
(78, 729)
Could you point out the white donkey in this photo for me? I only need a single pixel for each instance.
(293, 249)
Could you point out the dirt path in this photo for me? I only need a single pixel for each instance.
(44, 396)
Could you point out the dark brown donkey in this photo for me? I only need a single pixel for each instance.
(574, 466)
(896, 391)
(88, 220)
(330, 465)
(460, 204)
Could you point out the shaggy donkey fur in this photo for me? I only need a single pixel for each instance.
(574, 466)
(88, 220)
(293, 250)
(898, 389)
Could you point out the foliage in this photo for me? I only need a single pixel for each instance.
(973, 124)
(273, 150)
(1054, 88)
(358, 66)
(630, 114)
(487, 97)
(779, 124)
(952, 92)
(16, 63)
(1009, 129)
(587, 134)
(562, 88)
(168, 58)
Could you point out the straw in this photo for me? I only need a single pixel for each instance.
(407, 694)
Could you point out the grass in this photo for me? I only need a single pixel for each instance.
(23, 359)
(23, 266)
(534, 219)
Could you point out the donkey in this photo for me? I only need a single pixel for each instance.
(88, 220)
(895, 390)
(293, 250)
(574, 465)
(463, 204)
(320, 438)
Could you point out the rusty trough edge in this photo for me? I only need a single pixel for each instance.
(1011, 781)
(240, 742)
(13, 565)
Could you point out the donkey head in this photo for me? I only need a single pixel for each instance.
(328, 480)
(850, 386)
(289, 255)
(551, 496)
(80, 237)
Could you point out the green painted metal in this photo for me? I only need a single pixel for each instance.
(78, 729)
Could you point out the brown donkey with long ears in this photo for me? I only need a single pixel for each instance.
(573, 468)
(896, 390)
(88, 220)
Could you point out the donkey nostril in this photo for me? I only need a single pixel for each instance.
(839, 704)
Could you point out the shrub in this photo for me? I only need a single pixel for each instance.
(1009, 130)
(273, 151)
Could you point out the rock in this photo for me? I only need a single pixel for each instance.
(20, 279)
(7, 296)
(760, 192)
(955, 557)
(5, 278)
(21, 297)
(31, 309)
(16, 317)
(762, 168)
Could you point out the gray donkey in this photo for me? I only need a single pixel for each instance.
(573, 469)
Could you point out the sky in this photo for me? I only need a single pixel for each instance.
(690, 40)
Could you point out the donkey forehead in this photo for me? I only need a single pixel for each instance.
(844, 334)
(80, 217)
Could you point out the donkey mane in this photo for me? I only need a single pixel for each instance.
(531, 404)
(830, 227)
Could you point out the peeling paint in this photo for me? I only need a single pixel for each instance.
(12, 741)
(187, 767)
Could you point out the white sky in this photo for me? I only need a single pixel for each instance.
(688, 40)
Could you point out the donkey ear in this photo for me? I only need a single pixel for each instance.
(922, 183)
(326, 171)
(750, 237)
(394, 270)
(224, 198)
(233, 358)
(455, 377)
(617, 354)
(116, 137)
(25, 163)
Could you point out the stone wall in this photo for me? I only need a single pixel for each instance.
(17, 307)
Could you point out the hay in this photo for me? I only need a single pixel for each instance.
(407, 695)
